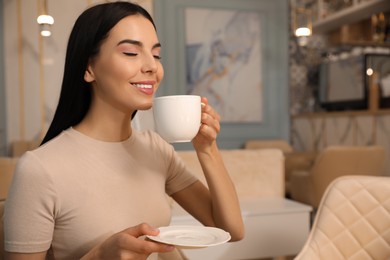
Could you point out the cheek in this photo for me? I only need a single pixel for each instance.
(115, 72)
(160, 72)
(122, 69)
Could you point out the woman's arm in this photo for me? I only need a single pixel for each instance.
(217, 206)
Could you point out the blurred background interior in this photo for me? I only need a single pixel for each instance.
(323, 98)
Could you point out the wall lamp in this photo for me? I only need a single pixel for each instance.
(302, 25)
(45, 21)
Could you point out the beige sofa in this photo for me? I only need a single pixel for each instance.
(255, 173)
(294, 161)
(7, 167)
(274, 226)
(8, 163)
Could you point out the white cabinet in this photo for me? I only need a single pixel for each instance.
(274, 227)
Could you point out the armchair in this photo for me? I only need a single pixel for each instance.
(335, 161)
(352, 222)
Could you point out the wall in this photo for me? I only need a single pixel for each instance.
(33, 65)
(315, 132)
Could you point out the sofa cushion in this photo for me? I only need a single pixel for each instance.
(255, 173)
(7, 167)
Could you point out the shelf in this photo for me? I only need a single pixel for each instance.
(366, 44)
(350, 15)
(350, 113)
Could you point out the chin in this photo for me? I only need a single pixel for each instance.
(145, 106)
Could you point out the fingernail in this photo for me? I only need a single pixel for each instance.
(155, 229)
(203, 104)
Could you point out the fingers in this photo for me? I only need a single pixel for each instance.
(132, 242)
(206, 108)
(210, 120)
(129, 244)
(209, 129)
(142, 230)
(146, 247)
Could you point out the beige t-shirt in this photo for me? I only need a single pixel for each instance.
(74, 191)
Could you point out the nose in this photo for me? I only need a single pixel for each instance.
(149, 64)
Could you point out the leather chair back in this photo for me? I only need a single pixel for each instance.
(352, 222)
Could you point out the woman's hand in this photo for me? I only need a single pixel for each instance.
(127, 244)
(209, 128)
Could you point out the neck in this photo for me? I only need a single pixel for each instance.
(105, 127)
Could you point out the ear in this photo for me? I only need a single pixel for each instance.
(88, 75)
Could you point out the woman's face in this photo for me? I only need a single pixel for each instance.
(127, 71)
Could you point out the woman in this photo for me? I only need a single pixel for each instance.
(96, 186)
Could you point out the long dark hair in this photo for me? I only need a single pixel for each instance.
(88, 33)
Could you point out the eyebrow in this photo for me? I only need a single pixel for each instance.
(138, 43)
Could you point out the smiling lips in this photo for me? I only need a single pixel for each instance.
(144, 88)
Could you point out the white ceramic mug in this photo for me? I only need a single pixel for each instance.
(177, 117)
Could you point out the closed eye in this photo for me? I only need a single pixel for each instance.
(131, 54)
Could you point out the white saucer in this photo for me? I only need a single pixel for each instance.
(191, 236)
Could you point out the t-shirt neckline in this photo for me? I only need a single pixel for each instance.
(84, 137)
